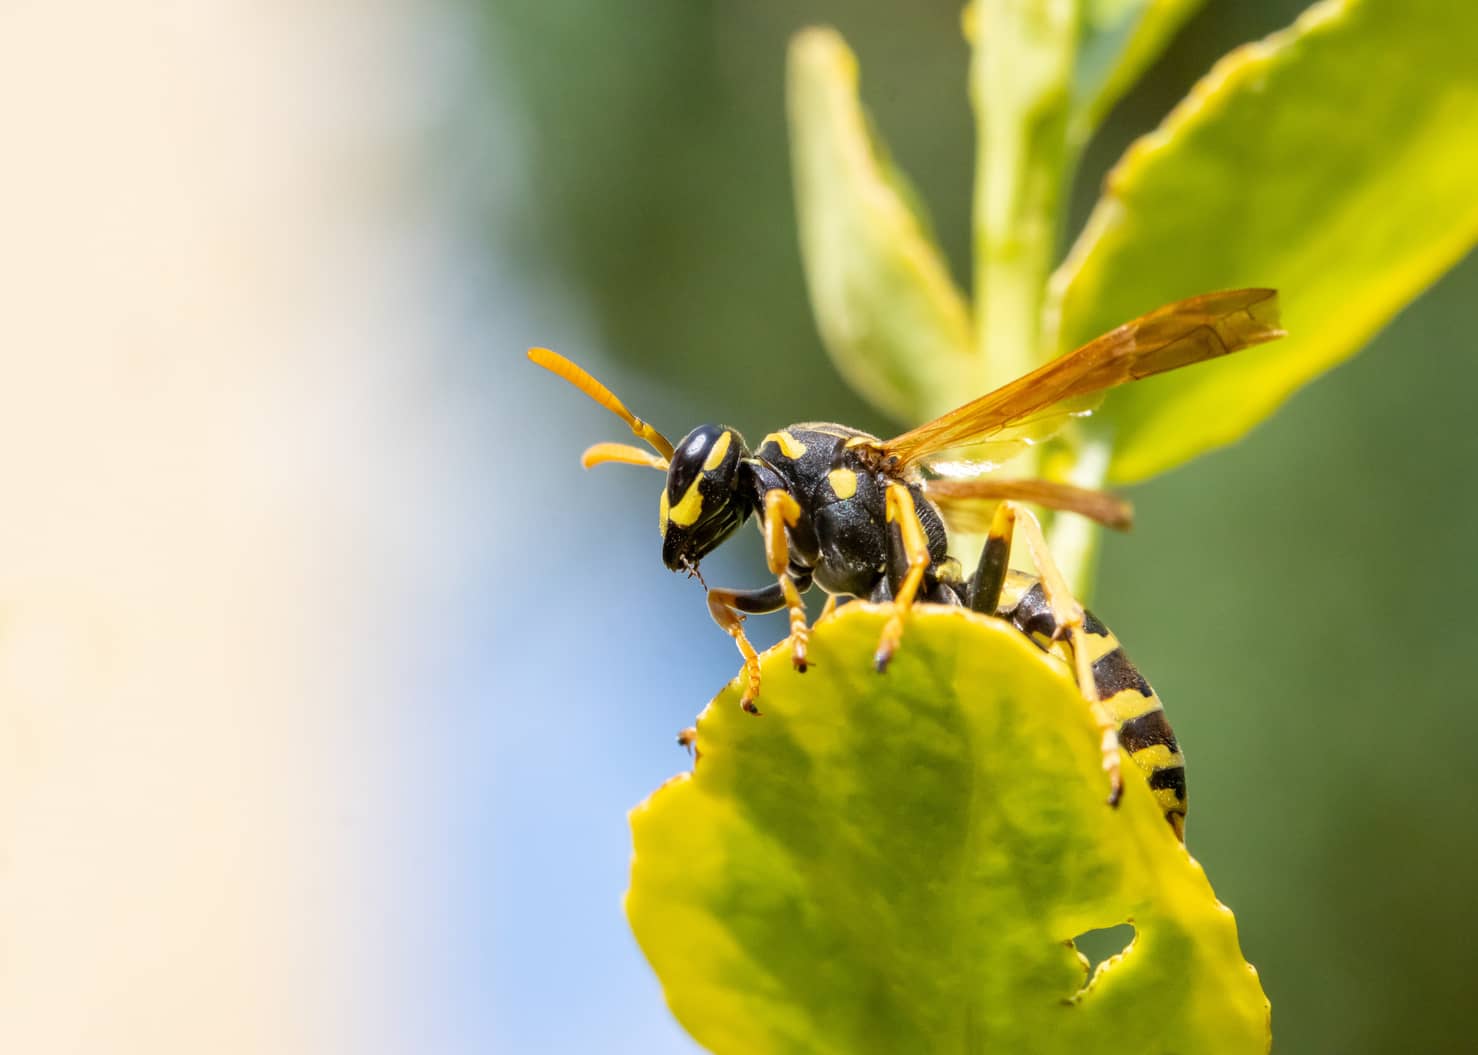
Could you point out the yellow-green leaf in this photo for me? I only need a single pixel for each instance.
(1336, 161)
(1117, 40)
(896, 863)
(888, 312)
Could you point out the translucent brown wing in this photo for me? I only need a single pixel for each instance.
(1179, 334)
(968, 505)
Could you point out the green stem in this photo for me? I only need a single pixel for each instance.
(1021, 88)
(1074, 540)
(1021, 81)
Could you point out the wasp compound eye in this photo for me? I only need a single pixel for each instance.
(702, 504)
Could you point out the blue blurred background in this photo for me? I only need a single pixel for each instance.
(483, 663)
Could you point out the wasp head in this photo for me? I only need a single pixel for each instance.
(702, 503)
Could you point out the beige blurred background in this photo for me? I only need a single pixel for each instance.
(211, 460)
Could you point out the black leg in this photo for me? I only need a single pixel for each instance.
(990, 574)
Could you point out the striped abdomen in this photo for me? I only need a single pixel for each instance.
(1143, 729)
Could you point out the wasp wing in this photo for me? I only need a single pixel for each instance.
(977, 457)
(968, 505)
(1179, 334)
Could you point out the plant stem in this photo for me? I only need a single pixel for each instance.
(1021, 87)
(1074, 540)
(1020, 81)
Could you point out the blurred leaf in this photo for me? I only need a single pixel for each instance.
(1117, 40)
(896, 863)
(888, 311)
(1336, 161)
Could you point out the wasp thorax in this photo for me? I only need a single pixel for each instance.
(702, 504)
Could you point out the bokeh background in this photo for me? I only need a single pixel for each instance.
(327, 676)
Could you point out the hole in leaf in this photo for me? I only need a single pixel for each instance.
(1103, 943)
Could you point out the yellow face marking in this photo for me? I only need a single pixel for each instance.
(789, 446)
(843, 482)
(716, 456)
(685, 513)
(662, 509)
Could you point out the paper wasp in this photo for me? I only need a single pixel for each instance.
(860, 517)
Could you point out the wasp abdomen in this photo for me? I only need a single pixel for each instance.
(1144, 731)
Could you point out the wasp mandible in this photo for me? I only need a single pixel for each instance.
(857, 516)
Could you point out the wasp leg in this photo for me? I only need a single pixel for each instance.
(688, 740)
(900, 510)
(727, 608)
(828, 608)
(984, 593)
(1067, 613)
(782, 511)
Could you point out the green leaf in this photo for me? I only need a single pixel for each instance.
(889, 313)
(1336, 161)
(895, 863)
(1117, 40)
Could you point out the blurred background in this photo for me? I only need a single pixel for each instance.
(327, 676)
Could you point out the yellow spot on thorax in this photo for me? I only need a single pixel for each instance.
(789, 446)
(662, 508)
(685, 513)
(843, 482)
(716, 456)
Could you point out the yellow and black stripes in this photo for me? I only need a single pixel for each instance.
(1144, 731)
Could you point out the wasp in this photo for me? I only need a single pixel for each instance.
(863, 517)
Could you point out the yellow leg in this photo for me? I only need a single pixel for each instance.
(732, 621)
(828, 608)
(900, 510)
(1067, 613)
(782, 511)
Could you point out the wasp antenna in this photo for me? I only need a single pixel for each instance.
(621, 453)
(561, 367)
